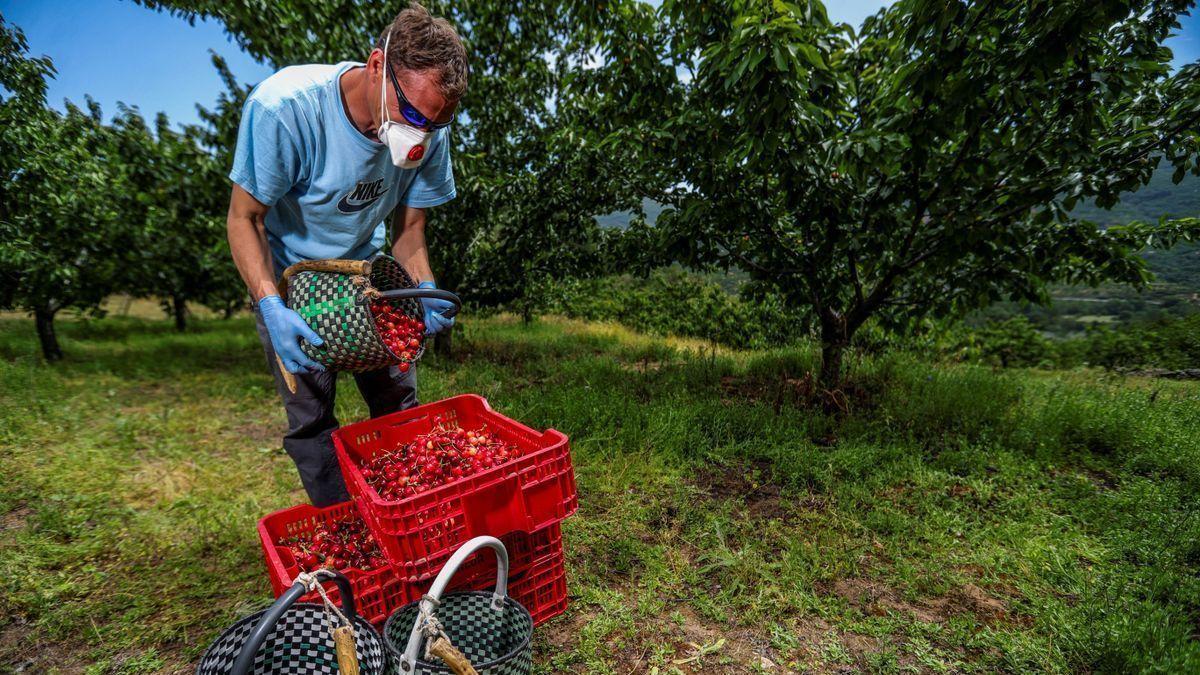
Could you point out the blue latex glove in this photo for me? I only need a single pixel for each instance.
(434, 321)
(286, 328)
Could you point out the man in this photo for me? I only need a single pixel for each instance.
(324, 154)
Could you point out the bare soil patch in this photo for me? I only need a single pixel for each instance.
(739, 651)
(16, 519)
(750, 483)
(699, 645)
(878, 599)
(23, 653)
(564, 631)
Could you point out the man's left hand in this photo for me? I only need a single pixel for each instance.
(435, 322)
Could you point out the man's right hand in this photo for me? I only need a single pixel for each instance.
(286, 329)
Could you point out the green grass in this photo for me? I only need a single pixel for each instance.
(957, 520)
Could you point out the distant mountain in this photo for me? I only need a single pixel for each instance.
(1176, 271)
(620, 219)
(1160, 197)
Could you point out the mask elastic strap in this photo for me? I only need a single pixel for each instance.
(383, 79)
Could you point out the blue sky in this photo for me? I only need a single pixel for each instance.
(118, 51)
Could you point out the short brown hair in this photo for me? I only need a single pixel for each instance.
(422, 42)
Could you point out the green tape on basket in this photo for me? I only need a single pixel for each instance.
(315, 309)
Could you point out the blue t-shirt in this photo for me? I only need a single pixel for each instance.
(330, 188)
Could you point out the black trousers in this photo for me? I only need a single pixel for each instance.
(311, 419)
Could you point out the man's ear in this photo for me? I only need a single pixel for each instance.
(375, 62)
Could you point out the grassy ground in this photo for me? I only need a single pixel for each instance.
(957, 520)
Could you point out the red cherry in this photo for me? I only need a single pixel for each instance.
(434, 459)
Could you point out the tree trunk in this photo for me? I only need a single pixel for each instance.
(831, 365)
(527, 311)
(835, 338)
(179, 310)
(45, 330)
(443, 343)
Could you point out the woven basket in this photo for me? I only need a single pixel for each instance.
(293, 638)
(489, 632)
(334, 297)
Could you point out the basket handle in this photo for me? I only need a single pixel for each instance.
(266, 624)
(351, 267)
(289, 379)
(435, 293)
(408, 662)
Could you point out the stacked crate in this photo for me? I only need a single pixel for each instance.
(522, 502)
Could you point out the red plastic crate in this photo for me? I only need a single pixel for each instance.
(419, 533)
(371, 587)
(537, 576)
(524, 549)
(541, 587)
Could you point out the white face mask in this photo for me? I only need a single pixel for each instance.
(406, 142)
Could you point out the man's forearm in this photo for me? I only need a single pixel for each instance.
(248, 242)
(409, 248)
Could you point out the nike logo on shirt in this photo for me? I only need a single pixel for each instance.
(364, 194)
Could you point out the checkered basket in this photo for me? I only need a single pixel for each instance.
(471, 632)
(299, 638)
(334, 297)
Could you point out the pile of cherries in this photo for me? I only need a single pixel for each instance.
(402, 334)
(336, 545)
(436, 458)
